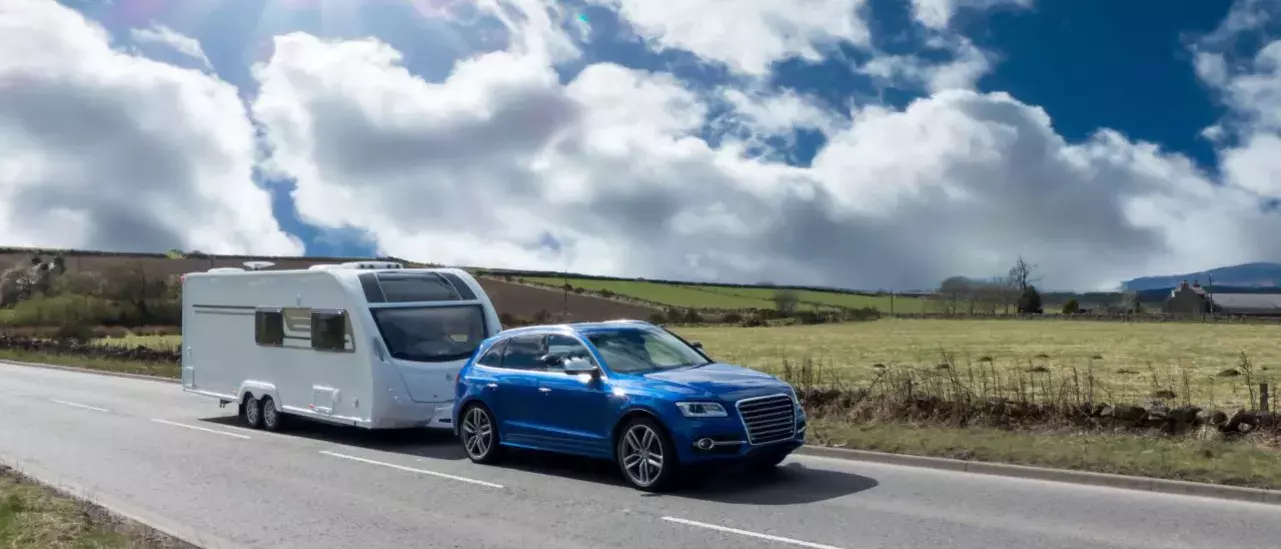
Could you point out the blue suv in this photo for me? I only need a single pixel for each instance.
(626, 391)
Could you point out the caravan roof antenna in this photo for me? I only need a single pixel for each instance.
(257, 265)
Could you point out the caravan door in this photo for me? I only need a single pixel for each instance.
(429, 343)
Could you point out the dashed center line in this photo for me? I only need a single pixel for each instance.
(769, 537)
(76, 405)
(411, 469)
(215, 431)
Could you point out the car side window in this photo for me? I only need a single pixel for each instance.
(567, 347)
(494, 356)
(524, 352)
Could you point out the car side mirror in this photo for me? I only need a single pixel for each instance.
(578, 366)
(696, 344)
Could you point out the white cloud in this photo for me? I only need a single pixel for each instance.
(479, 168)
(938, 13)
(107, 150)
(746, 35)
(780, 113)
(165, 36)
(1251, 89)
(967, 66)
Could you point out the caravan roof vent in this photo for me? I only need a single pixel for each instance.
(257, 265)
(227, 270)
(371, 265)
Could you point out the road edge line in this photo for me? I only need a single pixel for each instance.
(1086, 478)
(149, 524)
(80, 370)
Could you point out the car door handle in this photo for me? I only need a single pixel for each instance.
(544, 390)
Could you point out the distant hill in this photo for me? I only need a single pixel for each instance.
(1248, 275)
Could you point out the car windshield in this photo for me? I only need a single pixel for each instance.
(630, 350)
(431, 334)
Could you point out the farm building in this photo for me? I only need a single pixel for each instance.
(1194, 299)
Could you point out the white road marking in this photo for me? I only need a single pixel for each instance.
(411, 469)
(85, 406)
(749, 534)
(215, 431)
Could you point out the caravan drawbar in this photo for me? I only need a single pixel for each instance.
(369, 344)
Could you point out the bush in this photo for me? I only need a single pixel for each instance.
(78, 332)
(64, 310)
(732, 317)
(1071, 307)
(863, 313)
(785, 301)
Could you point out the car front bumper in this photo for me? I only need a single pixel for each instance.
(724, 440)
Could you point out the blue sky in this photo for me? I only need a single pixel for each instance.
(1088, 63)
(858, 143)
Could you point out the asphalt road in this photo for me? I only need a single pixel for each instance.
(178, 459)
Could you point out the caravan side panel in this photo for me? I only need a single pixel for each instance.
(224, 355)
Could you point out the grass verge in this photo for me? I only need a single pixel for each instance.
(1246, 462)
(33, 516)
(158, 369)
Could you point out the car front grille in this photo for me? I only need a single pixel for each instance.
(768, 419)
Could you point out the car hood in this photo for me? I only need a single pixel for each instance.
(719, 379)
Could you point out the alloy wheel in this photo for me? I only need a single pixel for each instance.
(478, 433)
(642, 455)
(253, 412)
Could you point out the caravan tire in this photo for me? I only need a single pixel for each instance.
(251, 412)
(272, 419)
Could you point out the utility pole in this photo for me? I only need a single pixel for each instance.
(1209, 293)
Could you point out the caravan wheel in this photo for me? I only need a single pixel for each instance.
(272, 419)
(251, 412)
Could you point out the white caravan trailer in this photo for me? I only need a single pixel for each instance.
(368, 344)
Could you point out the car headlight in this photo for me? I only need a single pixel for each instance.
(701, 409)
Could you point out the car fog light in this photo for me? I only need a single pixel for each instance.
(705, 443)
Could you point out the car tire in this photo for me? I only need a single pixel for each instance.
(272, 418)
(251, 412)
(478, 433)
(639, 441)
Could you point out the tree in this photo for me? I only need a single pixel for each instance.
(1030, 301)
(785, 301)
(131, 286)
(1071, 307)
(954, 290)
(1020, 275)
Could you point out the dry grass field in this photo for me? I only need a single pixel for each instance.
(1130, 361)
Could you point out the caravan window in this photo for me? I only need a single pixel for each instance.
(405, 287)
(269, 327)
(329, 330)
(431, 334)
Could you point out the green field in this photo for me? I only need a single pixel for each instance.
(699, 296)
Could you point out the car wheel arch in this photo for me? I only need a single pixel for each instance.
(466, 403)
(626, 418)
